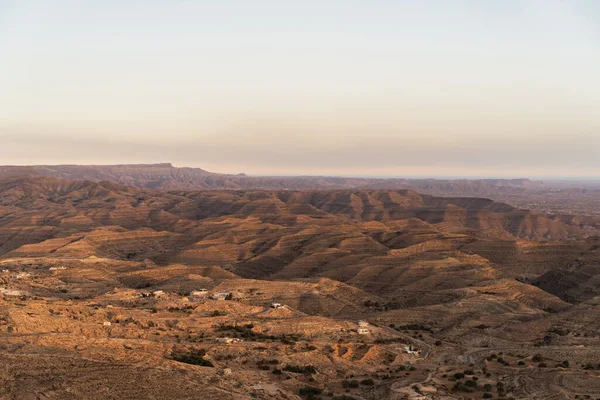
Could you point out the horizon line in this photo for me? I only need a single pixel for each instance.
(355, 176)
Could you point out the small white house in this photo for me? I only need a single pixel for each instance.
(11, 292)
(363, 331)
(158, 293)
(227, 340)
(220, 296)
(199, 293)
(276, 305)
(106, 323)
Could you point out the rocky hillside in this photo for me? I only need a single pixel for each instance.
(99, 286)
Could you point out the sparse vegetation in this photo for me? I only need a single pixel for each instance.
(298, 369)
(194, 357)
(334, 258)
(310, 392)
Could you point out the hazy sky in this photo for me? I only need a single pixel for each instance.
(345, 87)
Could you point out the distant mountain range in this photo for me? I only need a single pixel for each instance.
(167, 177)
(573, 198)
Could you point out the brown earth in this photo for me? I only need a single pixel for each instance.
(457, 279)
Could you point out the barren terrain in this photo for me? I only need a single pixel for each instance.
(556, 197)
(122, 291)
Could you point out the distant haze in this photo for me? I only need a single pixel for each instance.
(335, 87)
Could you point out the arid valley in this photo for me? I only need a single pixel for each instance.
(299, 200)
(122, 291)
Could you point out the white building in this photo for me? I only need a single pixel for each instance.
(220, 296)
(363, 331)
(227, 340)
(12, 292)
(277, 305)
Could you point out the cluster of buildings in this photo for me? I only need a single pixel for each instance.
(194, 294)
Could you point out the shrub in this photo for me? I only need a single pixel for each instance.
(367, 382)
(459, 375)
(310, 391)
(194, 357)
(306, 369)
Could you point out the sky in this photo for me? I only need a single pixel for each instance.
(402, 88)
